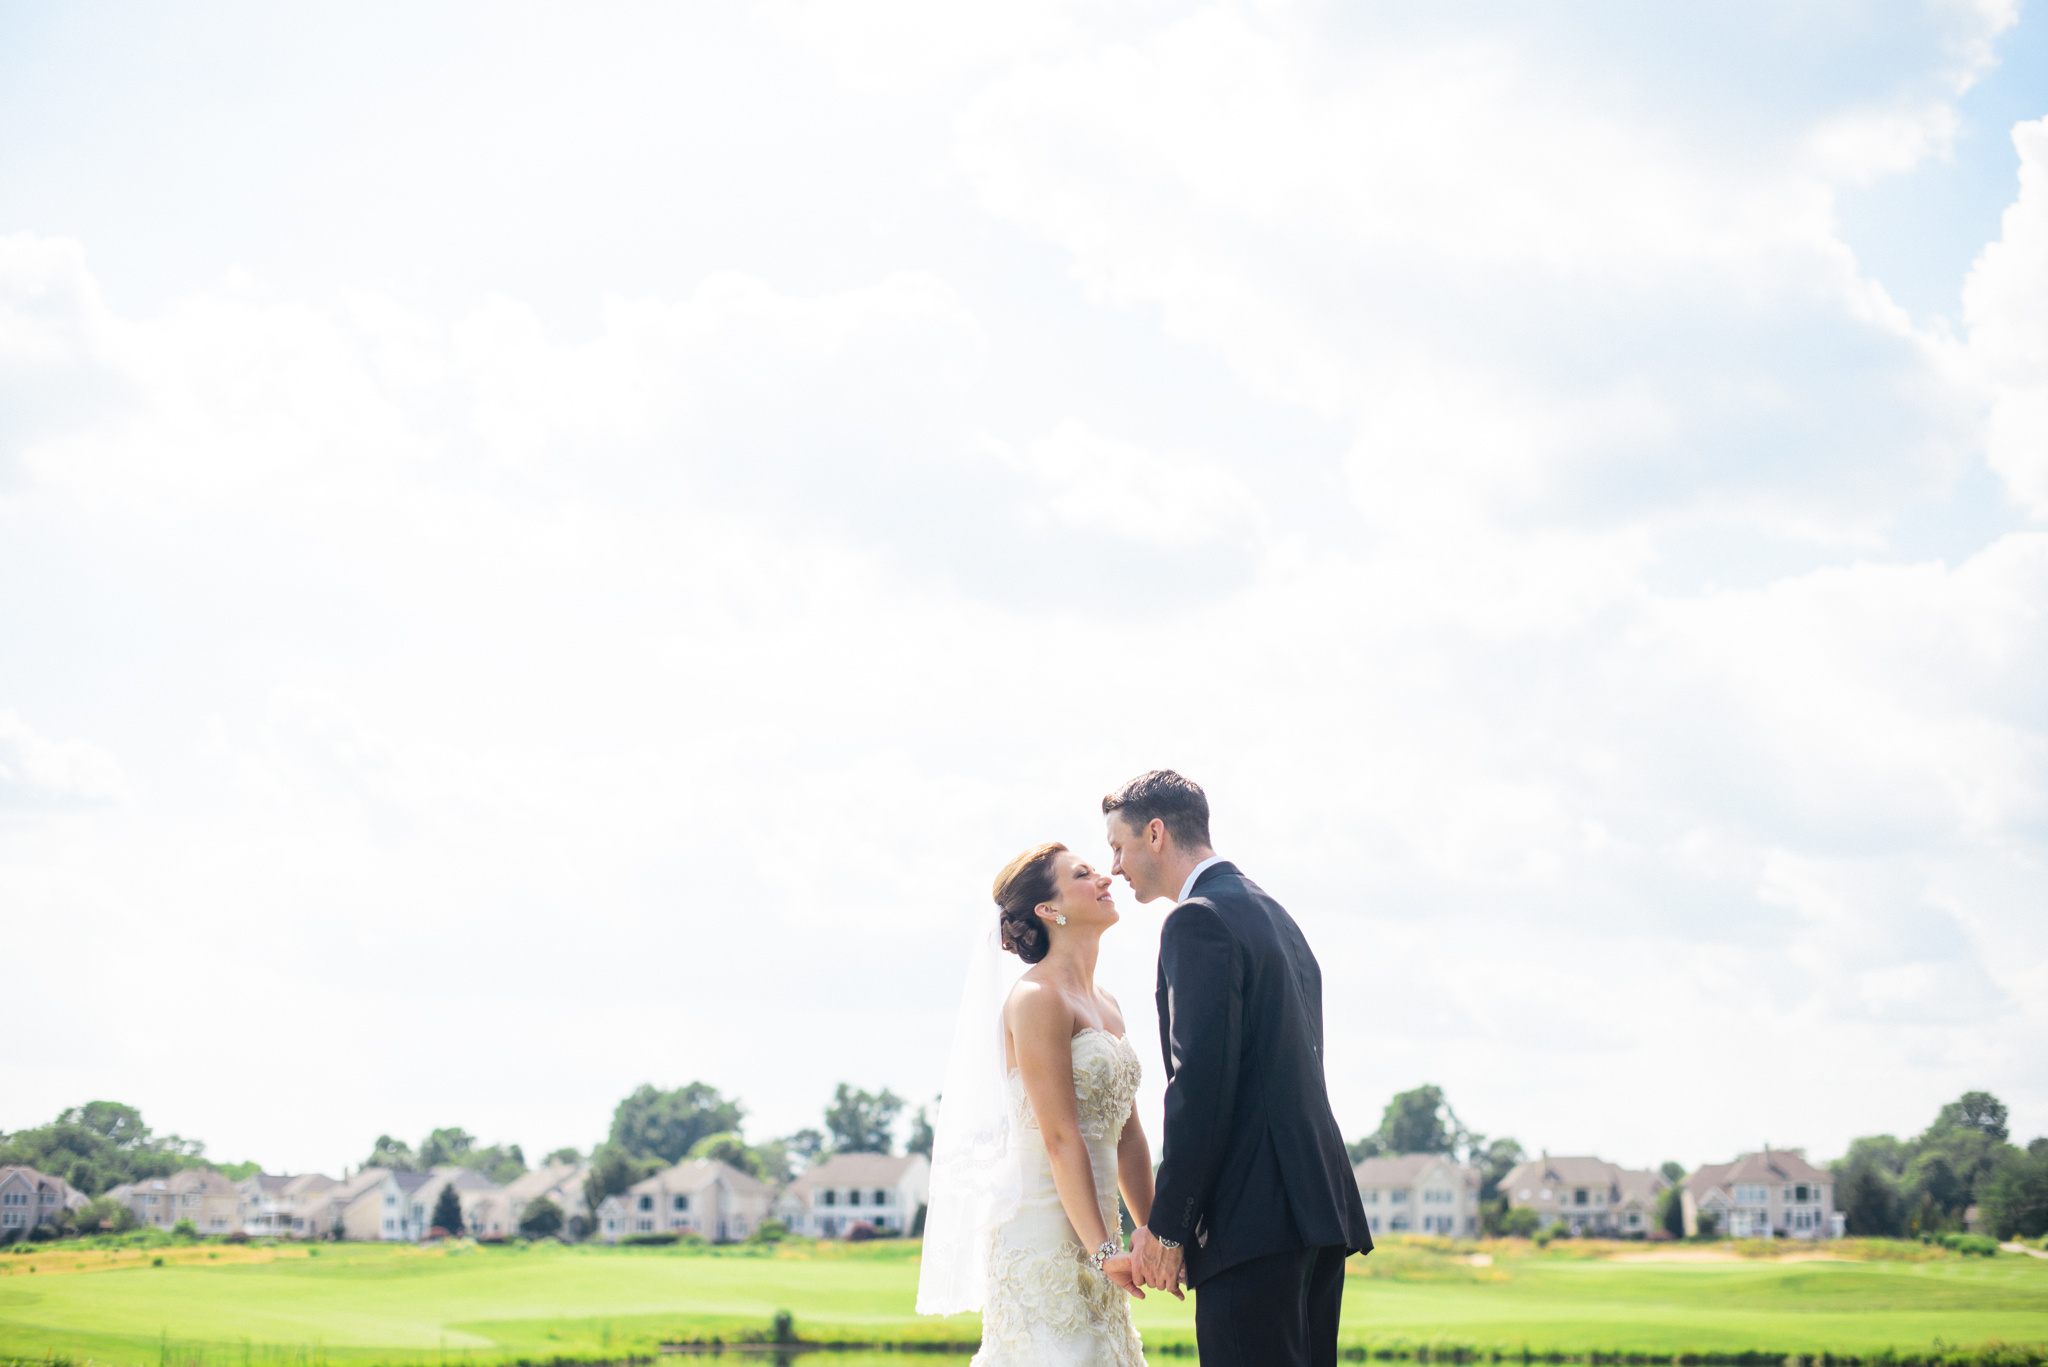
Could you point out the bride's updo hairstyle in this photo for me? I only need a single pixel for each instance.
(1025, 882)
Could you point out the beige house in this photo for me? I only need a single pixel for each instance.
(1773, 1194)
(281, 1206)
(29, 1198)
(210, 1201)
(483, 1215)
(561, 1183)
(374, 1205)
(1586, 1195)
(698, 1196)
(1420, 1193)
(876, 1189)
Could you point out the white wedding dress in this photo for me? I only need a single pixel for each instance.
(1045, 1306)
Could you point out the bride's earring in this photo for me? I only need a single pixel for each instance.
(1059, 918)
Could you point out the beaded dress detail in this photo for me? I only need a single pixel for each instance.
(1046, 1306)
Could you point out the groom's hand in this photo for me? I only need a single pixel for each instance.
(1158, 1266)
(1123, 1270)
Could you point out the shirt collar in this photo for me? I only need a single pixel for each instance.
(1187, 889)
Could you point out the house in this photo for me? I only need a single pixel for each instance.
(1422, 1193)
(375, 1205)
(279, 1205)
(210, 1201)
(1586, 1195)
(29, 1198)
(481, 1216)
(1775, 1193)
(875, 1189)
(699, 1196)
(561, 1183)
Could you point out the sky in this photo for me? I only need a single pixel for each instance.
(550, 548)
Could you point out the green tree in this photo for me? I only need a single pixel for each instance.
(1671, 1210)
(1978, 1111)
(1674, 1173)
(665, 1125)
(2015, 1197)
(448, 1210)
(564, 1155)
(730, 1149)
(612, 1170)
(1869, 1201)
(444, 1147)
(100, 1145)
(394, 1154)
(541, 1219)
(1420, 1121)
(920, 1134)
(1520, 1223)
(806, 1145)
(862, 1122)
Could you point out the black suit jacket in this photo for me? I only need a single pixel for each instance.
(1251, 1162)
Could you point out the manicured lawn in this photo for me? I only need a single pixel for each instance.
(218, 1307)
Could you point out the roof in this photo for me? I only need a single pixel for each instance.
(410, 1182)
(1768, 1168)
(309, 1183)
(541, 1181)
(858, 1170)
(462, 1179)
(1401, 1169)
(270, 1183)
(1527, 1182)
(203, 1179)
(694, 1174)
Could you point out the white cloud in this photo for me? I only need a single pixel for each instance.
(36, 771)
(1101, 484)
(2005, 303)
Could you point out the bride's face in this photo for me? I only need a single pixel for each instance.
(1080, 893)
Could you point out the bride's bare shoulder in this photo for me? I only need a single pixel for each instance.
(1037, 1007)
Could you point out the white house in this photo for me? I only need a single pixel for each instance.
(29, 1198)
(280, 1205)
(698, 1196)
(1421, 1193)
(876, 1189)
(483, 1215)
(1586, 1195)
(1776, 1193)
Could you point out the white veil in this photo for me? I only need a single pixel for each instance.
(977, 1179)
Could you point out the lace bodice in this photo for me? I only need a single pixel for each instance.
(1106, 1076)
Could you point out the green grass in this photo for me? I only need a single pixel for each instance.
(361, 1304)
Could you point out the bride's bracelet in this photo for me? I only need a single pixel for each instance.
(1110, 1248)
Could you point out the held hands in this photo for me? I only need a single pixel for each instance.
(1124, 1273)
(1157, 1266)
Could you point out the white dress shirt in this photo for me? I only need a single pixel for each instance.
(1187, 889)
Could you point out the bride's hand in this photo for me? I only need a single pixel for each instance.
(1124, 1273)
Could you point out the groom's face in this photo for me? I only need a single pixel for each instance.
(1135, 856)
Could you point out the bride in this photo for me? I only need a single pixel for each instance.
(1037, 1131)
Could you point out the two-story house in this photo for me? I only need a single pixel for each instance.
(697, 1196)
(210, 1201)
(879, 1190)
(482, 1217)
(1419, 1193)
(561, 1183)
(1775, 1193)
(29, 1198)
(1586, 1195)
(281, 1205)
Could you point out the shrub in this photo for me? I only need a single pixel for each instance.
(185, 1229)
(1520, 1222)
(1969, 1245)
(541, 1219)
(769, 1232)
(861, 1232)
(648, 1239)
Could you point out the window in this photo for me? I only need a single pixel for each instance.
(647, 1226)
(149, 1200)
(1752, 1196)
(881, 1197)
(853, 1197)
(14, 1198)
(831, 1197)
(1371, 1195)
(1398, 1196)
(1799, 1194)
(1374, 1220)
(682, 1203)
(647, 1203)
(1545, 1196)
(1579, 1197)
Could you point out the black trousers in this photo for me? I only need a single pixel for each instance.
(1277, 1311)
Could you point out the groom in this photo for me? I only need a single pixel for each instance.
(1256, 1207)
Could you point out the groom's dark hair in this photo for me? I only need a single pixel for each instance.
(1179, 802)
